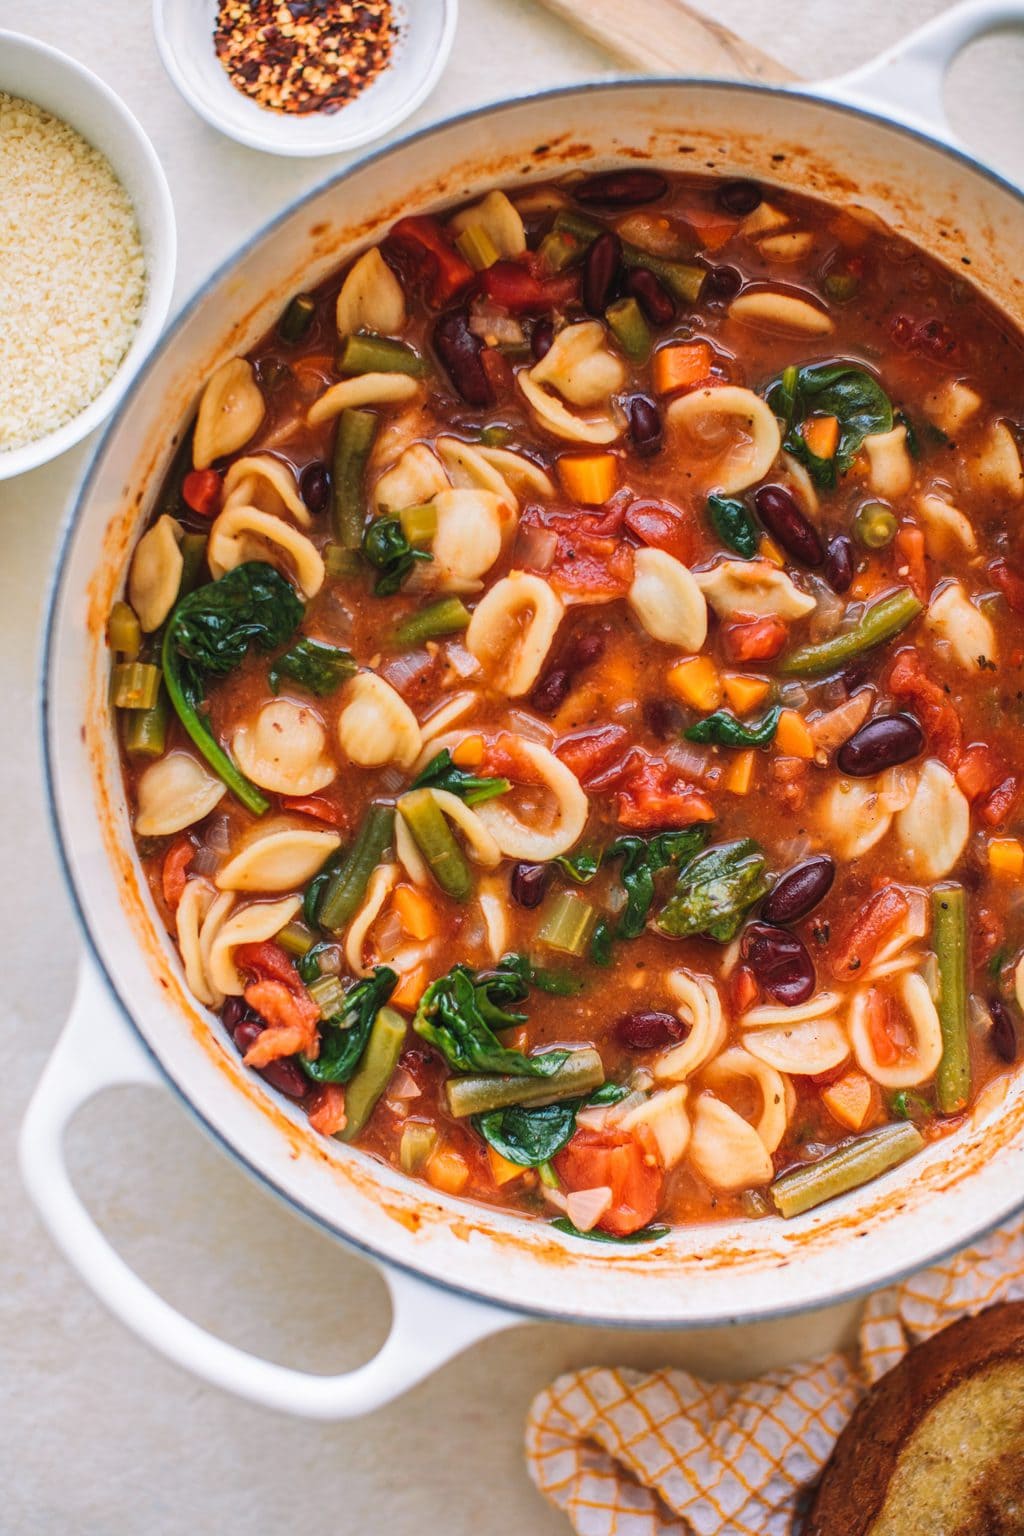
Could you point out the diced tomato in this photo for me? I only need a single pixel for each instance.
(617, 1161)
(591, 563)
(499, 372)
(201, 491)
(909, 548)
(743, 989)
(652, 794)
(908, 680)
(174, 871)
(1000, 802)
(981, 769)
(879, 1021)
(449, 270)
(326, 1109)
(504, 758)
(663, 526)
(883, 911)
(755, 639)
(586, 753)
(987, 935)
(931, 338)
(279, 997)
(316, 806)
(1010, 584)
(517, 288)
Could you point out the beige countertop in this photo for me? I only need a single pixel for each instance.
(100, 1437)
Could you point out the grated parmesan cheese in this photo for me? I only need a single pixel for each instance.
(72, 278)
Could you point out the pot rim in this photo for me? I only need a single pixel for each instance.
(50, 747)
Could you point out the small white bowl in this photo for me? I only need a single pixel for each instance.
(40, 74)
(184, 35)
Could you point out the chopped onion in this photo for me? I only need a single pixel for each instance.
(633, 1100)
(330, 960)
(495, 324)
(585, 1207)
(389, 780)
(460, 660)
(218, 834)
(535, 547)
(403, 1086)
(555, 1197)
(403, 671)
(791, 850)
(205, 860)
(388, 935)
(828, 615)
(529, 727)
(688, 760)
(594, 1117)
(794, 695)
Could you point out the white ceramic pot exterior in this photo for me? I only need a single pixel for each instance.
(508, 1265)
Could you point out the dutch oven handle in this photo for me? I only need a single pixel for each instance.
(98, 1050)
(907, 80)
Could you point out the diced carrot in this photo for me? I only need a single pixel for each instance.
(862, 586)
(850, 1100)
(448, 1171)
(416, 912)
(317, 807)
(744, 693)
(469, 752)
(313, 371)
(327, 1110)
(740, 773)
(712, 227)
(792, 738)
(589, 478)
(680, 365)
(696, 682)
(502, 1170)
(771, 551)
(410, 989)
(1006, 857)
(174, 872)
(821, 434)
(755, 639)
(909, 546)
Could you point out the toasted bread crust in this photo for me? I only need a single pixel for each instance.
(855, 1483)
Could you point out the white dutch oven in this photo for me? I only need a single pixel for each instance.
(458, 1271)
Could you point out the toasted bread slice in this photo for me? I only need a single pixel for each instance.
(937, 1446)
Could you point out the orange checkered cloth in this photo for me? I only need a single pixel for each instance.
(630, 1454)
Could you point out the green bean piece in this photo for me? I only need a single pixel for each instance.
(581, 1072)
(558, 250)
(949, 940)
(841, 286)
(135, 684)
(436, 841)
(577, 225)
(848, 1167)
(627, 324)
(478, 248)
(294, 324)
(418, 1141)
(356, 432)
(193, 558)
(447, 617)
(875, 525)
(379, 354)
(683, 279)
(371, 1077)
(881, 622)
(496, 437)
(341, 562)
(344, 890)
(145, 730)
(124, 632)
(419, 524)
(568, 924)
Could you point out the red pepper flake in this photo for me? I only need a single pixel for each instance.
(304, 55)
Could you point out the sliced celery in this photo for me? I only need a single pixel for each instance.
(567, 924)
(418, 1142)
(419, 524)
(135, 684)
(145, 730)
(295, 939)
(478, 248)
(328, 994)
(124, 632)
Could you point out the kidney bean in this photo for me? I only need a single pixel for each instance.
(552, 691)
(645, 428)
(621, 189)
(646, 1030)
(460, 352)
(652, 296)
(583, 648)
(799, 890)
(788, 525)
(600, 268)
(315, 485)
(882, 743)
(529, 883)
(240, 1023)
(1002, 1036)
(740, 197)
(780, 962)
(839, 563)
(541, 338)
(286, 1076)
(663, 718)
(721, 285)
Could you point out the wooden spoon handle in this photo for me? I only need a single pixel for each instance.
(667, 37)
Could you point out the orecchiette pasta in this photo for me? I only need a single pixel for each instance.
(244, 533)
(371, 298)
(699, 1006)
(512, 630)
(481, 843)
(767, 309)
(891, 469)
(416, 478)
(914, 1065)
(493, 901)
(363, 389)
(728, 434)
(664, 1116)
(468, 469)
(578, 368)
(499, 218)
(448, 714)
(467, 541)
(726, 1149)
(521, 475)
(854, 815)
(155, 574)
(666, 599)
(284, 749)
(382, 882)
(263, 482)
(752, 587)
(253, 924)
(965, 629)
(800, 1048)
(376, 725)
(795, 478)
(173, 793)
(737, 1063)
(281, 857)
(193, 908)
(947, 530)
(792, 245)
(229, 413)
(952, 405)
(550, 830)
(933, 829)
(997, 468)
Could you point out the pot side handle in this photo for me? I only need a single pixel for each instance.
(907, 80)
(98, 1050)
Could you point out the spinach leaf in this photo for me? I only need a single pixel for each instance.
(734, 525)
(580, 867)
(529, 1136)
(451, 1017)
(387, 549)
(308, 965)
(555, 983)
(642, 859)
(495, 990)
(601, 943)
(442, 773)
(343, 1037)
(724, 730)
(313, 665)
(208, 635)
(608, 1093)
(315, 889)
(714, 891)
(853, 396)
(901, 419)
(650, 1234)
